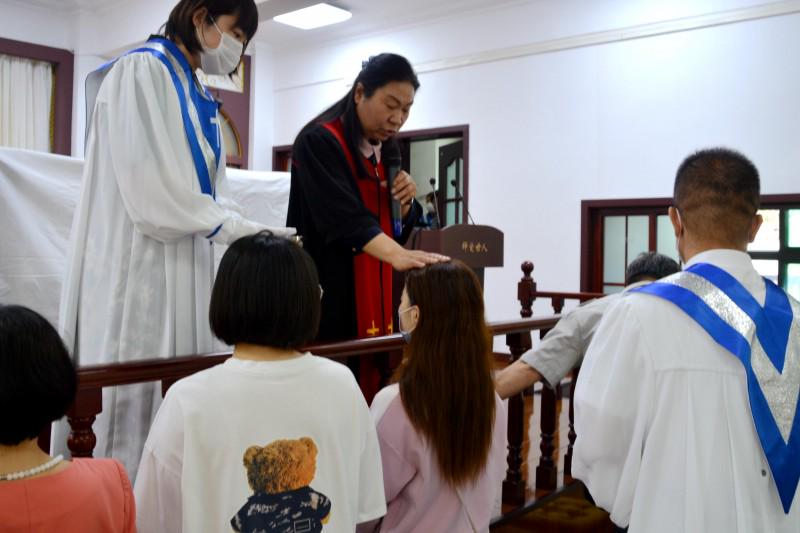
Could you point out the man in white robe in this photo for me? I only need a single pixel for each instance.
(667, 439)
(140, 265)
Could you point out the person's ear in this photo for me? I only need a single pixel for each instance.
(675, 218)
(358, 94)
(414, 312)
(755, 225)
(199, 17)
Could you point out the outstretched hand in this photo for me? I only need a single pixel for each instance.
(410, 259)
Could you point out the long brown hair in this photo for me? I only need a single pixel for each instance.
(445, 379)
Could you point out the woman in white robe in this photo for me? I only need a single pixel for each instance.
(140, 265)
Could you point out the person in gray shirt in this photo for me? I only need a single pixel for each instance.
(564, 346)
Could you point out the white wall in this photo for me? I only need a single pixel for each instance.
(261, 106)
(604, 121)
(32, 24)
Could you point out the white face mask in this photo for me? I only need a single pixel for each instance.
(405, 333)
(224, 58)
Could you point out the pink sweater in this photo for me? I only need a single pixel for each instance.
(90, 495)
(417, 497)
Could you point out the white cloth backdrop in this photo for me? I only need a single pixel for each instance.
(38, 194)
(26, 100)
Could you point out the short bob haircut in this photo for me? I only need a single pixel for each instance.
(37, 377)
(266, 293)
(180, 26)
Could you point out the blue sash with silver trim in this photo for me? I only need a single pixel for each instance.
(198, 108)
(767, 342)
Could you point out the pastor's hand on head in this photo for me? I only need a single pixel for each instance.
(416, 259)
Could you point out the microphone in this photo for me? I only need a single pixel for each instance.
(432, 181)
(454, 183)
(391, 162)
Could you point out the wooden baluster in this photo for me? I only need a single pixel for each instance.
(526, 288)
(514, 485)
(547, 471)
(81, 415)
(166, 383)
(558, 304)
(572, 434)
(518, 343)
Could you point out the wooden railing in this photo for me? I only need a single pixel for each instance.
(546, 480)
(92, 380)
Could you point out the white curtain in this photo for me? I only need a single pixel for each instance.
(26, 101)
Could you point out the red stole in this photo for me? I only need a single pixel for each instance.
(373, 278)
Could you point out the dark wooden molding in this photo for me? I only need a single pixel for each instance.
(63, 62)
(280, 157)
(770, 201)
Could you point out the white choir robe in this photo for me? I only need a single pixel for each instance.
(140, 268)
(665, 438)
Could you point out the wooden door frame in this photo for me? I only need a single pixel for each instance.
(460, 193)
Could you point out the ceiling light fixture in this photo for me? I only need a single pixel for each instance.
(314, 16)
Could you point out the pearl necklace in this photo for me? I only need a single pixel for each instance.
(32, 471)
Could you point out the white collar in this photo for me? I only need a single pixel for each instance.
(736, 263)
(368, 149)
(635, 285)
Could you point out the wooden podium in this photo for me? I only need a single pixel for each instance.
(477, 246)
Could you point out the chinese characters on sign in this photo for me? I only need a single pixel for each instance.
(474, 247)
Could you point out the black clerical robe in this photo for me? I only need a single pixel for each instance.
(337, 213)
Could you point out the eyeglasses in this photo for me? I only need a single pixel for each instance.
(321, 292)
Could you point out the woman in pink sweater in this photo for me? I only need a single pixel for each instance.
(39, 493)
(441, 426)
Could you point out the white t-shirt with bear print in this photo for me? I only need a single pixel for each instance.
(193, 477)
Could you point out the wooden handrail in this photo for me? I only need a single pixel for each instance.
(146, 370)
(582, 296)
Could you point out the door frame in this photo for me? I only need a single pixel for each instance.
(445, 159)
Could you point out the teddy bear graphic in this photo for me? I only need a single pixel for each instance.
(282, 502)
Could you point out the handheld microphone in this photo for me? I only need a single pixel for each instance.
(454, 183)
(391, 162)
(432, 181)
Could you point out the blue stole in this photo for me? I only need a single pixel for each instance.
(198, 108)
(764, 339)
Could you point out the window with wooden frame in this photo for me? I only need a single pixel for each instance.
(63, 62)
(614, 232)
